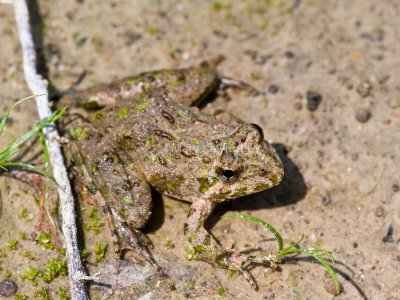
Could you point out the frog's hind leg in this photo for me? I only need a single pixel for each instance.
(127, 197)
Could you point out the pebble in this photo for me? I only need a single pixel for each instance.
(389, 236)
(289, 54)
(313, 100)
(326, 200)
(379, 212)
(262, 59)
(363, 115)
(395, 187)
(8, 288)
(364, 89)
(297, 106)
(273, 89)
(331, 289)
(269, 294)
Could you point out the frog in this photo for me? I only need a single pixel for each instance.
(143, 132)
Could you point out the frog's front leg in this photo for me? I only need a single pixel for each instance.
(205, 247)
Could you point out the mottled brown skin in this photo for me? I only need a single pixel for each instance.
(144, 132)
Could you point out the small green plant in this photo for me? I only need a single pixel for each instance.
(15, 146)
(63, 294)
(55, 268)
(30, 274)
(284, 251)
(42, 294)
(44, 239)
(12, 244)
(21, 297)
(100, 251)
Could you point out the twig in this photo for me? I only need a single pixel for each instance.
(39, 86)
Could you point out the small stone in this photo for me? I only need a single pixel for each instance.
(389, 235)
(395, 187)
(289, 54)
(355, 245)
(376, 35)
(326, 200)
(364, 89)
(379, 212)
(382, 78)
(273, 89)
(297, 106)
(331, 289)
(262, 59)
(363, 115)
(269, 294)
(8, 288)
(252, 53)
(313, 100)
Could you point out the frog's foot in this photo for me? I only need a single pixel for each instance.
(126, 238)
(206, 248)
(226, 82)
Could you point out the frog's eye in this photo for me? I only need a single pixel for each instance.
(228, 173)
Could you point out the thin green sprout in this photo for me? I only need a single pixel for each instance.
(292, 248)
(11, 108)
(261, 222)
(47, 170)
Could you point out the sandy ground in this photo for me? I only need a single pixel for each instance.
(330, 74)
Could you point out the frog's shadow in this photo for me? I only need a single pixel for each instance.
(291, 190)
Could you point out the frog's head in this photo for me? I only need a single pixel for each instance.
(248, 164)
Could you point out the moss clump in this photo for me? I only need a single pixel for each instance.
(63, 294)
(55, 267)
(12, 244)
(221, 292)
(31, 274)
(44, 239)
(100, 251)
(23, 213)
(95, 223)
(42, 294)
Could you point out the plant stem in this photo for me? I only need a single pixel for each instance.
(39, 86)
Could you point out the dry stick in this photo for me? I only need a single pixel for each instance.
(39, 86)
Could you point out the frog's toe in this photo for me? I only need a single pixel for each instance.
(236, 261)
(229, 82)
(131, 239)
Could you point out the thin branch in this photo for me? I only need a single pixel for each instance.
(39, 86)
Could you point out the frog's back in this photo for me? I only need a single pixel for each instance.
(173, 145)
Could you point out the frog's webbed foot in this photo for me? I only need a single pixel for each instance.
(127, 238)
(226, 82)
(206, 248)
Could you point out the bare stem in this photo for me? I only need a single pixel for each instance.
(39, 86)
